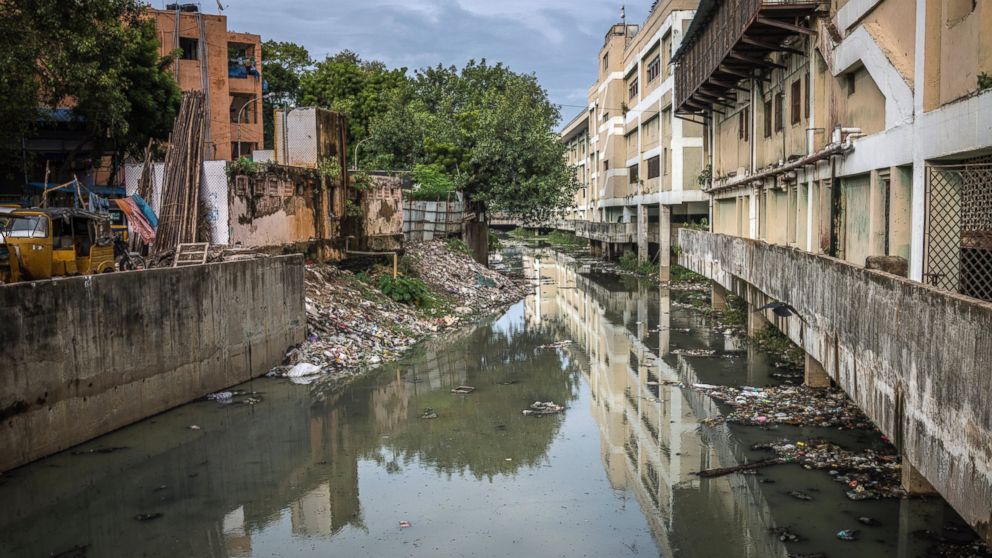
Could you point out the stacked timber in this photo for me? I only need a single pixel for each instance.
(179, 212)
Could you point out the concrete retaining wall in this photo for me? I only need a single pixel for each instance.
(87, 355)
(916, 359)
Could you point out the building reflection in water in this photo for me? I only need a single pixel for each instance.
(650, 436)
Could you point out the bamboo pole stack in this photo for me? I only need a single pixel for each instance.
(179, 213)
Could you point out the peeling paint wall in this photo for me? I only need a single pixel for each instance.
(87, 355)
(916, 359)
(283, 205)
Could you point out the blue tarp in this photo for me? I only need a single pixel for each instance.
(146, 210)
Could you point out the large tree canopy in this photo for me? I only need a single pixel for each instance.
(359, 89)
(98, 57)
(491, 129)
(284, 64)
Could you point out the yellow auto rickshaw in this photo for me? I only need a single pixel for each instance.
(56, 242)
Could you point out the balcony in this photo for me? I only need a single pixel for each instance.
(727, 41)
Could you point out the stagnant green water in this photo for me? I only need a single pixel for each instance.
(319, 471)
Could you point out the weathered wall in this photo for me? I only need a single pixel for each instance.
(281, 205)
(916, 359)
(87, 355)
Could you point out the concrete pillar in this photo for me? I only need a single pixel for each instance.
(719, 297)
(665, 243)
(816, 376)
(642, 233)
(912, 481)
(665, 322)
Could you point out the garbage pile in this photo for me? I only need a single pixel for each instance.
(868, 474)
(348, 327)
(465, 281)
(792, 405)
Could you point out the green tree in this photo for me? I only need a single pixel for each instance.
(284, 64)
(359, 89)
(97, 57)
(491, 129)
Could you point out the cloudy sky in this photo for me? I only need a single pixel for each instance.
(558, 40)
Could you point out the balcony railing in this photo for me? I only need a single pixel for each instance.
(728, 42)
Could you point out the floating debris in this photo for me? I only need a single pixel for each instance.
(869, 521)
(792, 405)
(148, 516)
(429, 414)
(695, 352)
(540, 409)
(556, 345)
(405, 524)
(800, 495)
(847, 535)
(223, 397)
(785, 535)
(463, 390)
(111, 449)
(869, 474)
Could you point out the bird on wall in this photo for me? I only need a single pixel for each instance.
(781, 309)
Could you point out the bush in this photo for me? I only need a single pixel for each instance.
(494, 243)
(629, 262)
(566, 239)
(433, 184)
(458, 247)
(405, 290)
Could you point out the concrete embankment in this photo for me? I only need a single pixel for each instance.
(87, 355)
(917, 360)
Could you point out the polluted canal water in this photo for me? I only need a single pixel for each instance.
(396, 464)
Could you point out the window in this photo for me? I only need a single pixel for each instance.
(779, 111)
(606, 61)
(768, 119)
(632, 90)
(606, 165)
(654, 69)
(190, 48)
(806, 100)
(634, 172)
(654, 167)
(606, 116)
(797, 101)
(851, 84)
(743, 125)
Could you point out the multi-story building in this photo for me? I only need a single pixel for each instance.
(846, 136)
(641, 171)
(226, 66)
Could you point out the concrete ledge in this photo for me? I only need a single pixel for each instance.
(87, 355)
(916, 359)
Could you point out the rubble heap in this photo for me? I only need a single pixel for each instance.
(458, 277)
(868, 474)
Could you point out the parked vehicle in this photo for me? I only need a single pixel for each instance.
(57, 242)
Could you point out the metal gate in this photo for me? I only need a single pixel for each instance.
(958, 235)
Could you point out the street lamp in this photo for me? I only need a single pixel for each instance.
(357, 145)
(242, 111)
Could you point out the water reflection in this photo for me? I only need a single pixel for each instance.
(649, 432)
(326, 470)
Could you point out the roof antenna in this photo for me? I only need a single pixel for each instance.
(220, 6)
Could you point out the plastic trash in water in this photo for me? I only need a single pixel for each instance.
(302, 370)
(847, 535)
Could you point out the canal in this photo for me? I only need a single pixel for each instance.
(325, 470)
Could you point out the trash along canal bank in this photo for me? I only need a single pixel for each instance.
(634, 445)
(359, 321)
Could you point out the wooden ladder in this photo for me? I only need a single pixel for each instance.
(191, 254)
